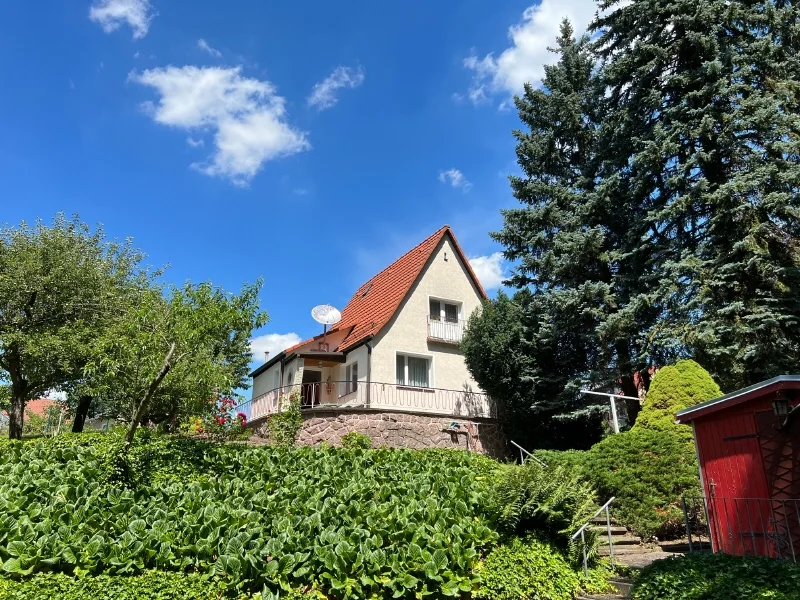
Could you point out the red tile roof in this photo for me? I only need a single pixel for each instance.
(38, 407)
(376, 302)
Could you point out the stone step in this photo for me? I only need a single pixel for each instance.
(620, 550)
(601, 520)
(622, 585)
(615, 529)
(621, 540)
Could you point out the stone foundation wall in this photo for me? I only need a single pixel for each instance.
(401, 430)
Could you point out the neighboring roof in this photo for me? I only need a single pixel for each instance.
(378, 300)
(38, 407)
(754, 391)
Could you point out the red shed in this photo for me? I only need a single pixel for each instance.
(748, 448)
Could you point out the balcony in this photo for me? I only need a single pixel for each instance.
(344, 395)
(447, 332)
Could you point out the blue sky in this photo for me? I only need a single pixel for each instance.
(308, 143)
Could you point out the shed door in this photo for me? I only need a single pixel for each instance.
(735, 484)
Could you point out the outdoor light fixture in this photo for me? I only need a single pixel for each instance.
(780, 407)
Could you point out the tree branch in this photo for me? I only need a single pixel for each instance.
(151, 390)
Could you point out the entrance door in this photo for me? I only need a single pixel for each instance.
(311, 388)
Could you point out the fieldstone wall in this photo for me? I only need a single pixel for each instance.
(401, 430)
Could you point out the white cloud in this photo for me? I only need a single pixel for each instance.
(323, 95)
(112, 14)
(489, 270)
(248, 116)
(524, 61)
(203, 45)
(300, 191)
(456, 179)
(195, 143)
(272, 343)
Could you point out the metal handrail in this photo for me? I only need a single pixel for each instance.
(522, 450)
(581, 531)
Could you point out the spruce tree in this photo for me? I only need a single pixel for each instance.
(703, 116)
(575, 247)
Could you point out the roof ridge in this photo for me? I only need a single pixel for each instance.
(438, 232)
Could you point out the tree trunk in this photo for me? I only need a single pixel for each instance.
(140, 410)
(16, 414)
(81, 412)
(633, 407)
(19, 395)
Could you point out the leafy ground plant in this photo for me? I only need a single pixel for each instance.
(719, 577)
(354, 523)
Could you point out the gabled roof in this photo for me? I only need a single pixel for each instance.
(781, 382)
(378, 300)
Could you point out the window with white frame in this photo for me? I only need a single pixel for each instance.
(350, 378)
(441, 310)
(413, 371)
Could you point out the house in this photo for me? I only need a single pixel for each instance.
(395, 350)
(748, 449)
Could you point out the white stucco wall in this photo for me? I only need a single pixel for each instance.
(407, 332)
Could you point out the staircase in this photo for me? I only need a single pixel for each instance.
(628, 550)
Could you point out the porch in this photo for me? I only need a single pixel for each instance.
(358, 395)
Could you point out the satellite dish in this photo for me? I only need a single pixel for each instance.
(326, 314)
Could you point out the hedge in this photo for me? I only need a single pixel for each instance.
(718, 577)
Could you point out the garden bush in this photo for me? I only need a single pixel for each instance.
(674, 388)
(718, 577)
(647, 471)
(356, 523)
(553, 502)
(529, 570)
(152, 585)
(355, 439)
(283, 426)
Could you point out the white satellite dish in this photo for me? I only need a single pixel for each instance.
(326, 314)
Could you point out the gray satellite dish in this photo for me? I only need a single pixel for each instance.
(326, 314)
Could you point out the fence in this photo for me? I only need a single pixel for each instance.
(379, 396)
(744, 526)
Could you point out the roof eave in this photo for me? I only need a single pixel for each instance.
(259, 370)
(739, 396)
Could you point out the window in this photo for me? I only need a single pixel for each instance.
(351, 378)
(444, 311)
(289, 378)
(413, 371)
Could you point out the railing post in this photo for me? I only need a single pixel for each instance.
(610, 541)
(585, 560)
(686, 521)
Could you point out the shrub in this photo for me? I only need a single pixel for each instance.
(152, 585)
(283, 426)
(718, 577)
(551, 502)
(376, 522)
(674, 388)
(647, 471)
(355, 439)
(529, 570)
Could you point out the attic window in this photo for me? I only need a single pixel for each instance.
(366, 291)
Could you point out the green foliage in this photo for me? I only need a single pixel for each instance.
(672, 389)
(550, 502)
(355, 523)
(187, 344)
(284, 425)
(151, 585)
(59, 286)
(519, 359)
(647, 471)
(718, 577)
(529, 570)
(355, 439)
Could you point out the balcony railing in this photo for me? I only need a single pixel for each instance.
(441, 330)
(343, 395)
